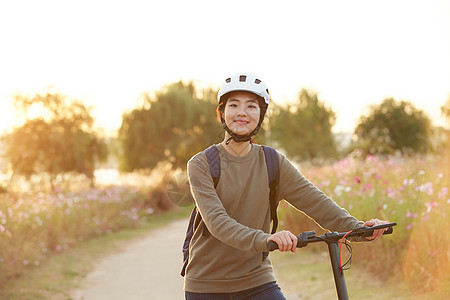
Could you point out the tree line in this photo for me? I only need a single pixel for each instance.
(180, 120)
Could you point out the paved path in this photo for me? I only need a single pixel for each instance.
(148, 268)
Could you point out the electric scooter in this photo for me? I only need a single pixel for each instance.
(334, 241)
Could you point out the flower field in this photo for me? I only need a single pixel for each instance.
(36, 224)
(410, 191)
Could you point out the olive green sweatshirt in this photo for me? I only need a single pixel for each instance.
(228, 256)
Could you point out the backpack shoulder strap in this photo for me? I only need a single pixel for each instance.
(272, 164)
(212, 154)
(187, 240)
(273, 172)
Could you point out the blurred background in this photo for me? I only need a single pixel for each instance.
(102, 103)
(107, 53)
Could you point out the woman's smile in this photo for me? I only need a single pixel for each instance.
(241, 122)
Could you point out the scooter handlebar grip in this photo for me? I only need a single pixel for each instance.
(272, 245)
(390, 230)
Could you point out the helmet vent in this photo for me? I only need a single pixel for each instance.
(228, 80)
(257, 81)
(242, 78)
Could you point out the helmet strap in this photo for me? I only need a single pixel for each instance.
(237, 137)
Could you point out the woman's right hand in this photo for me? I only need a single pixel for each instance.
(285, 240)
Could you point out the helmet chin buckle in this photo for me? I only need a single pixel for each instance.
(237, 137)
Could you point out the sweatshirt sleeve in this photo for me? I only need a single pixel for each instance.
(305, 196)
(214, 215)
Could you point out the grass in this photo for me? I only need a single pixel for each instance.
(307, 274)
(63, 272)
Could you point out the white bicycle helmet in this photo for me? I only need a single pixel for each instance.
(244, 82)
(249, 83)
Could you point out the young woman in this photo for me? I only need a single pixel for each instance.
(226, 259)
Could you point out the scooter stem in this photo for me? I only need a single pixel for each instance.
(339, 280)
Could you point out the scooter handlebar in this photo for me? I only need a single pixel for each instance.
(310, 236)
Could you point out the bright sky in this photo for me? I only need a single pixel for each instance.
(106, 53)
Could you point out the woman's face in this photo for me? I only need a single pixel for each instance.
(242, 112)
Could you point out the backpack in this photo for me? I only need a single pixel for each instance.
(212, 154)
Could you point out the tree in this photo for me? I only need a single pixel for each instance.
(62, 140)
(393, 126)
(303, 130)
(445, 110)
(175, 124)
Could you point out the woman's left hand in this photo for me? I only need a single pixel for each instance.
(376, 233)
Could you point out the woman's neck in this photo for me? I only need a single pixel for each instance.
(235, 148)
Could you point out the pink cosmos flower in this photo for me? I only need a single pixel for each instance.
(430, 205)
(427, 188)
(443, 192)
(411, 215)
(390, 192)
(367, 187)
